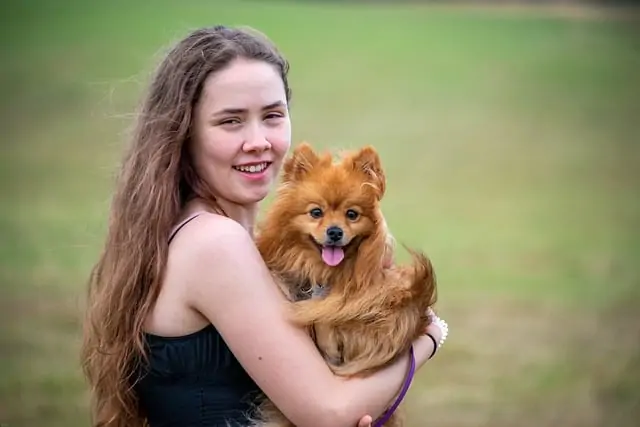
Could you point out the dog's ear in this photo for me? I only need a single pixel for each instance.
(301, 161)
(368, 161)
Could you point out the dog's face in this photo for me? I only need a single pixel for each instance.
(332, 208)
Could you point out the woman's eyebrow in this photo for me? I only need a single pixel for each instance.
(244, 110)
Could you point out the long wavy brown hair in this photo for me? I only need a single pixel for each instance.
(155, 181)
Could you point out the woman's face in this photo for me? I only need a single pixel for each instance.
(241, 131)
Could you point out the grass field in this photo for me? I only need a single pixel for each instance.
(512, 145)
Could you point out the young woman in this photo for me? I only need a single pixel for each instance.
(184, 324)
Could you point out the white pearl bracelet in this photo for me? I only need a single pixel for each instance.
(444, 328)
(435, 320)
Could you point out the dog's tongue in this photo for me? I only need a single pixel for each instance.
(332, 255)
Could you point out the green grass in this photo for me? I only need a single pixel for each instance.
(511, 143)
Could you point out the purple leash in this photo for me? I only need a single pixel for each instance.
(405, 387)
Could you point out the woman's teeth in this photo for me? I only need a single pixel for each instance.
(253, 168)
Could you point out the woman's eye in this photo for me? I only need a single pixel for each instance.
(316, 213)
(273, 116)
(352, 215)
(230, 122)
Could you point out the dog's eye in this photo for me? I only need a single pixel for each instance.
(352, 215)
(316, 213)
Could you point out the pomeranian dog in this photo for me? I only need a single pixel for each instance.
(327, 243)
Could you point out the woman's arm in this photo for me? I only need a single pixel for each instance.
(230, 285)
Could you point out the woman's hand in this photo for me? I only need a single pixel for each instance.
(365, 421)
(388, 258)
(389, 248)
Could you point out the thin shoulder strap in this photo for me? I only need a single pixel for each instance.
(182, 224)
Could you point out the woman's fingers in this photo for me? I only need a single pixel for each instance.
(365, 421)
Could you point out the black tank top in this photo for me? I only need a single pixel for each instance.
(194, 380)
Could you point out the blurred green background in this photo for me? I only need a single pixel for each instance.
(511, 139)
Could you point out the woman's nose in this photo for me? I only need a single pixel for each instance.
(255, 139)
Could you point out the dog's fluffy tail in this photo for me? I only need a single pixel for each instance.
(423, 284)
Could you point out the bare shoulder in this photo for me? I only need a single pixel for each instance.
(210, 234)
(207, 254)
(219, 262)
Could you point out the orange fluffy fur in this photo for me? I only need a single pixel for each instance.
(370, 314)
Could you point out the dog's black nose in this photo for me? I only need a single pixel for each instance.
(334, 233)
